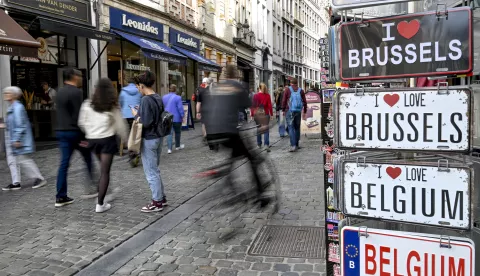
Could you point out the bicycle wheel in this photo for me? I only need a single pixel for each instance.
(271, 181)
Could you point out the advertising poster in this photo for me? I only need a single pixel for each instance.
(328, 95)
(187, 121)
(312, 124)
(186, 117)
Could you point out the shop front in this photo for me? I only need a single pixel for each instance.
(138, 47)
(188, 77)
(63, 32)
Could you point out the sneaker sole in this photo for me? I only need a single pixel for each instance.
(151, 211)
(63, 204)
(43, 183)
(12, 189)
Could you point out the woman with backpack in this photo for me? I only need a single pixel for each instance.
(262, 111)
(150, 113)
(101, 120)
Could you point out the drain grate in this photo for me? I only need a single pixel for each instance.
(290, 241)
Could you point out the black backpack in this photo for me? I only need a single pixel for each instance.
(163, 126)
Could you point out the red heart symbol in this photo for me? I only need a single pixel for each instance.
(408, 30)
(394, 172)
(391, 99)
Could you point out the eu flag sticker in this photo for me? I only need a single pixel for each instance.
(350, 243)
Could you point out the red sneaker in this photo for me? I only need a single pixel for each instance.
(154, 206)
(164, 201)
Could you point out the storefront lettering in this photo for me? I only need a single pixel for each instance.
(136, 67)
(6, 49)
(425, 52)
(154, 45)
(59, 5)
(74, 9)
(187, 41)
(142, 26)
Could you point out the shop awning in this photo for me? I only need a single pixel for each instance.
(14, 40)
(203, 63)
(65, 28)
(154, 49)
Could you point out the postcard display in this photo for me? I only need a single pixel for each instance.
(376, 125)
(333, 216)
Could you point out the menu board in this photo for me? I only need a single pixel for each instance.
(30, 76)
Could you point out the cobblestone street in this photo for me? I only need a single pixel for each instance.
(38, 239)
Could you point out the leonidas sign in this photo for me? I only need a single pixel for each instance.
(416, 119)
(407, 46)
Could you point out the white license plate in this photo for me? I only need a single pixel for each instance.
(422, 194)
(373, 252)
(404, 119)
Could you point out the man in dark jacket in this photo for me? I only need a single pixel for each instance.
(68, 102)
(220, 115)
(278, 104)
(294, 117)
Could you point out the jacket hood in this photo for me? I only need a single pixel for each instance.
(131, 89)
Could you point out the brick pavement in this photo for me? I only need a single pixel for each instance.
(38, 239)
(193, 247)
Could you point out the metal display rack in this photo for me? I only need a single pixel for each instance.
(337, 215)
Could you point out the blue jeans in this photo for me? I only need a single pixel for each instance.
(150, 152)
(177, 128)
(281, 125)
(294, 119)
(68, 142)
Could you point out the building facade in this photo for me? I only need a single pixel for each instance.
(66, 35)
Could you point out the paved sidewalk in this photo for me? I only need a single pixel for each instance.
(38, 239)
(193, 246)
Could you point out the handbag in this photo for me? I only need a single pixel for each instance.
(135, 137)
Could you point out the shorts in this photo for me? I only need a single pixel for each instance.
(106, 145)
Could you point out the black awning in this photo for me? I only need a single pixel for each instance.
(65, 28)
(14, 40)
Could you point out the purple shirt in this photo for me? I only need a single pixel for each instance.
(173, 104)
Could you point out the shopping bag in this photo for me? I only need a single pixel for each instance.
(135, 137)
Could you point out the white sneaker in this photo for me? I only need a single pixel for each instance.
(181, 147)
(169, 151)
(103, 208)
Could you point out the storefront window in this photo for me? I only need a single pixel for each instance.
(176, 75)
(126, 60)
(208, 53)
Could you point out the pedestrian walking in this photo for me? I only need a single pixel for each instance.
(151, 108)
(68, 102)
(262, 111)
(281, 120)
(101, 120)
(201, 92)
(173, 104)
(293, 103)
(19, 142)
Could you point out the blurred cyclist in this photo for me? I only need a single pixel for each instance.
(220, 115)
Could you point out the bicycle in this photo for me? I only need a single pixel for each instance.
(232, 198)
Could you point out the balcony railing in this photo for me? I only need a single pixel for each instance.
(299, 20)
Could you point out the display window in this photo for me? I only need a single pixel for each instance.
(126, 60)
